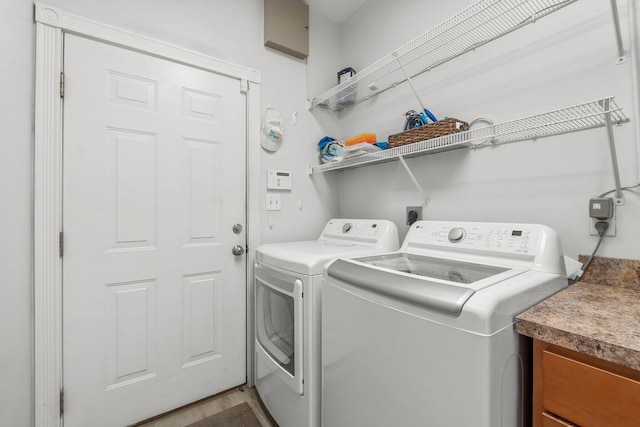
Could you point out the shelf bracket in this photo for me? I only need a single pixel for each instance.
(406, 76)
(413, 178)
(622, 57)
(619, 198)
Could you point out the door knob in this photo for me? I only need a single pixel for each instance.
(237, 228)
(238, 250)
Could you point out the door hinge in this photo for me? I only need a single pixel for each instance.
(61, 244)
(61, 402)
(244, 85)
(61, 85)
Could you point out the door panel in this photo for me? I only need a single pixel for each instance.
(131, 326)
(154, 179)
(133, 188)
(203, 189)
(201, 332)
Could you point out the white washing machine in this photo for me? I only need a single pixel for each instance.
(288, 277)
(425, 337)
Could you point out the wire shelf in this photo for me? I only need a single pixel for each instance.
(570, 119)
(475, 26)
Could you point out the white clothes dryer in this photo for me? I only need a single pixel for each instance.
(288, 277)
(425, 337)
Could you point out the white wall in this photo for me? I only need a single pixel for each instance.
(312, 200)
(16, 207)
(561, 60)
(226, 29)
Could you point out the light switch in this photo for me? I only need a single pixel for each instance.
(274, 202)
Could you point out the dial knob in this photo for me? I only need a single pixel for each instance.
(346, 227)
(456, 234)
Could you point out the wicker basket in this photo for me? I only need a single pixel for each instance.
(431, 130)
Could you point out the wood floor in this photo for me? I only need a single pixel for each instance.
(213, 405)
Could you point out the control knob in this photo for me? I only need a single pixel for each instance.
(456, 234)
(346, 227)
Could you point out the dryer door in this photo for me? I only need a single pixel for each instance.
(279, 325)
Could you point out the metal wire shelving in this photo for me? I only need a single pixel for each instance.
(481, 23)
(475, 26)
(588, 115)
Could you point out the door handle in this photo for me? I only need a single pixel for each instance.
(237, 250)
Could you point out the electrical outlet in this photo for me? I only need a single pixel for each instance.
(611, 231)
(274, 202)
(414, 213)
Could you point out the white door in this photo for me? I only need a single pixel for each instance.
(154, 180)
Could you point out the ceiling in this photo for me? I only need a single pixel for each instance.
(335, 10)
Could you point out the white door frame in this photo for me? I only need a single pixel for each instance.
(51, 24)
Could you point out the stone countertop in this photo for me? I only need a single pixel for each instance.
(599, 319)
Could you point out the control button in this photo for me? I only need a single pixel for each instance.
(346, 227)
(456, 234)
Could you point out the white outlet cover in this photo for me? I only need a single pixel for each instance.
(274, 202)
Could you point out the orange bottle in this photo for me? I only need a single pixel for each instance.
(363, 137)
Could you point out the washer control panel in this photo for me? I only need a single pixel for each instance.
(512, 238)
(533, 246)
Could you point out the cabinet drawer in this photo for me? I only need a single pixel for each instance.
(549, 420)
(586, 395)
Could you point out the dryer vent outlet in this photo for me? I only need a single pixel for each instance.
(414, 213)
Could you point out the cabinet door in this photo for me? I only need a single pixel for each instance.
(286, 26)
(583, 390)
(587, 395)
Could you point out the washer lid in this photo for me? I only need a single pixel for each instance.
(437, 283)
(435, 268)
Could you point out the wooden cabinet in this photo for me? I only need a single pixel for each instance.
(573, 389)
(286, 27)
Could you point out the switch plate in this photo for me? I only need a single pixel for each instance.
(274, 202)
